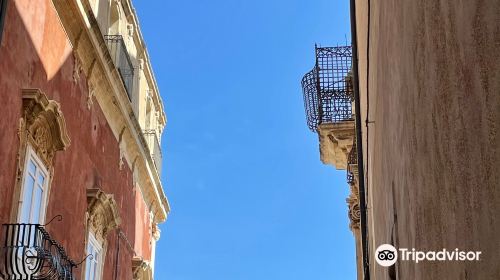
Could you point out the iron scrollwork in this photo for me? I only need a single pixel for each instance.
(29, 253)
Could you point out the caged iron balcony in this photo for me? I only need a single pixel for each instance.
(28, 252)
(327, 88)
(122, 61)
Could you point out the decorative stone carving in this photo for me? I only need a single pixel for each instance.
(121, 146)
(90, 96)
(43, 124)
(353, 205)
(102, 212)
(141, 269)
(130, 30)
(335, 140)
(156, 232)
(77, 67)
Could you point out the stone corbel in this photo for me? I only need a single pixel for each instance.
(353, 205)
(103, 215)
(141, 269)
(156, 232)
(335, 140)
(121, 146)
(90, 85)
(77, 67)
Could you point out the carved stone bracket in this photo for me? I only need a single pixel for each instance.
(353, 205)
(141, 269)
(335, 140)
(44, 124)
(155, 232)
(103, 212)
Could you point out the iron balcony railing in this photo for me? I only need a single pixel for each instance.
(122, 61)
(28, 252)
(327, 88)
(352, 159)
(154, 147)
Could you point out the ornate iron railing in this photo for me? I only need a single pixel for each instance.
(352, 159)
(154, 147)
(327, 88)
(28, 252)
(122, 61)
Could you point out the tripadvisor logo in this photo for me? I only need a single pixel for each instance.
(387, 255)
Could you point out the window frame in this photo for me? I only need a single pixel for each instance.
(97, 262)
(39, 167)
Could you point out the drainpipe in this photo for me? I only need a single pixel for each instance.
(359, 143)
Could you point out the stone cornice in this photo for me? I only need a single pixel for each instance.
(96, 62)
(139, 39)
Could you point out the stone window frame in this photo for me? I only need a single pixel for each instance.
(42, 128)
(102, 217)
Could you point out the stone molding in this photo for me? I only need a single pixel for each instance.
(108, 90)
(103, 215)
(42, 126)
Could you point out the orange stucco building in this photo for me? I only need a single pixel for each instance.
(80, 132)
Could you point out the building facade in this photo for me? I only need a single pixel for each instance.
(426, 80)
(80, 189)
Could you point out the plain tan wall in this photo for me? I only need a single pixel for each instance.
(433, 163)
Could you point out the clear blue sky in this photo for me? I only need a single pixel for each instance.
(250, 198)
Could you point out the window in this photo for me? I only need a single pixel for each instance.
(3, 10)
(93, 265)
(34, 190)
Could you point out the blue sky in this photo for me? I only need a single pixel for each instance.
(250, 198)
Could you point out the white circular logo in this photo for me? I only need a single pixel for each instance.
(386, 255)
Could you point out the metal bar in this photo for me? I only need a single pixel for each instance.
(30, 253)
(122, 61)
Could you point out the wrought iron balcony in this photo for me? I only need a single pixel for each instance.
(154, 147)
(352, 160)
(28, 252)
(122, 61)
(327, 88)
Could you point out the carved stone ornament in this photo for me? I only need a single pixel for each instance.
(103, 212)
(90, 96)
(44, 124)
(335, 142)
(353, 205)
(155, 232)
(141, 269)
(77, 67)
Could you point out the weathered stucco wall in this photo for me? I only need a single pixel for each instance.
(433, 162)
(35, 53)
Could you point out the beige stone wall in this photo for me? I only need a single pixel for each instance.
(431, 148)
